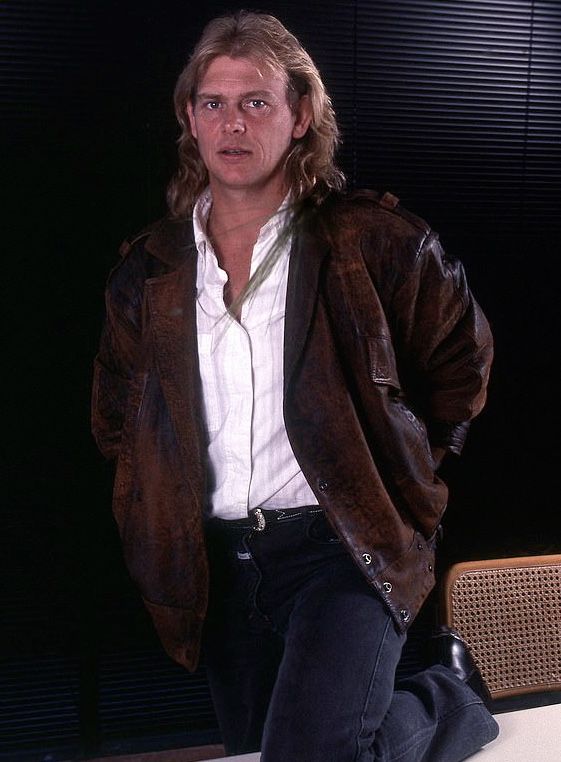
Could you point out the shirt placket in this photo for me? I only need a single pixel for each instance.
(238, 373)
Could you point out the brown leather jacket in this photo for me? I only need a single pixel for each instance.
(386, 355)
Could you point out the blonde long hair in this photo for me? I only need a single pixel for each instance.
(310, 167)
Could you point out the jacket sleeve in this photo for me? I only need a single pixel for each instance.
(444, 341)
(119, 352)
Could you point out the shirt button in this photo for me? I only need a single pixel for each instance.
(405, 615)
(388, 587)
(322, 485)
(367, 558)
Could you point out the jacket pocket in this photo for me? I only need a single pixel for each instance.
(404, 439)
(418, 427)
(382, 366)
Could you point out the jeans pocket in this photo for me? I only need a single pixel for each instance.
(321, 532)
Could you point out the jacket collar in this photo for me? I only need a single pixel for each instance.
(172, 241)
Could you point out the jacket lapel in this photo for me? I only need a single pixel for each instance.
(306, 257)
(171, 303)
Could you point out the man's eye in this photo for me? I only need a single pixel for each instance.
(212, 105)
(256, 103)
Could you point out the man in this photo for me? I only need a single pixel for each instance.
(281, 370)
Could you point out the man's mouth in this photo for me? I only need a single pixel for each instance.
(233, 151)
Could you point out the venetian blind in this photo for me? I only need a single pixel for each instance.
(458, 107)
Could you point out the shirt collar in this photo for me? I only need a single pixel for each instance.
(201, 212)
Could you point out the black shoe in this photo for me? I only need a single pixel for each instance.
(449, 650)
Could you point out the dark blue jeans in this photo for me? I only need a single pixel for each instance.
(301, 655)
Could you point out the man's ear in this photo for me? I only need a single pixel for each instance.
(303, 112)
(191, 117)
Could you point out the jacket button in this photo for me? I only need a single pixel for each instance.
(430, 567)
(420, 545)
(405, 615)
(388, 587)
(367, 558)
(322, 485)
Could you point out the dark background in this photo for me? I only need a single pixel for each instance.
(453, 106)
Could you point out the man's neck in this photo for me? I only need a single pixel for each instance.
(236, 217)
(233, 226)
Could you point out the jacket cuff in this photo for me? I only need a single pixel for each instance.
(449, 435)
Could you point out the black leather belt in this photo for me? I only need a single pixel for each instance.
(265, 516)
(259, 519)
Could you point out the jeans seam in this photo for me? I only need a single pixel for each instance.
(371, 687)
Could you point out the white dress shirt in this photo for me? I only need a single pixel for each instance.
(250, 460)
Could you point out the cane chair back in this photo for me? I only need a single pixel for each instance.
(508, 611)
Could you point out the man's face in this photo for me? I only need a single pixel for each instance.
(244, 126)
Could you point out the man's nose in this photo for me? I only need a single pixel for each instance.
(234, 122)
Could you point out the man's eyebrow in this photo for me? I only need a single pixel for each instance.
(250, 94)
(207, 96)
(260, 94)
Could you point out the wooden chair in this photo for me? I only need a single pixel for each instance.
(508, 611)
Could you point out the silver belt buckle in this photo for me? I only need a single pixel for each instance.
(259, 516)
